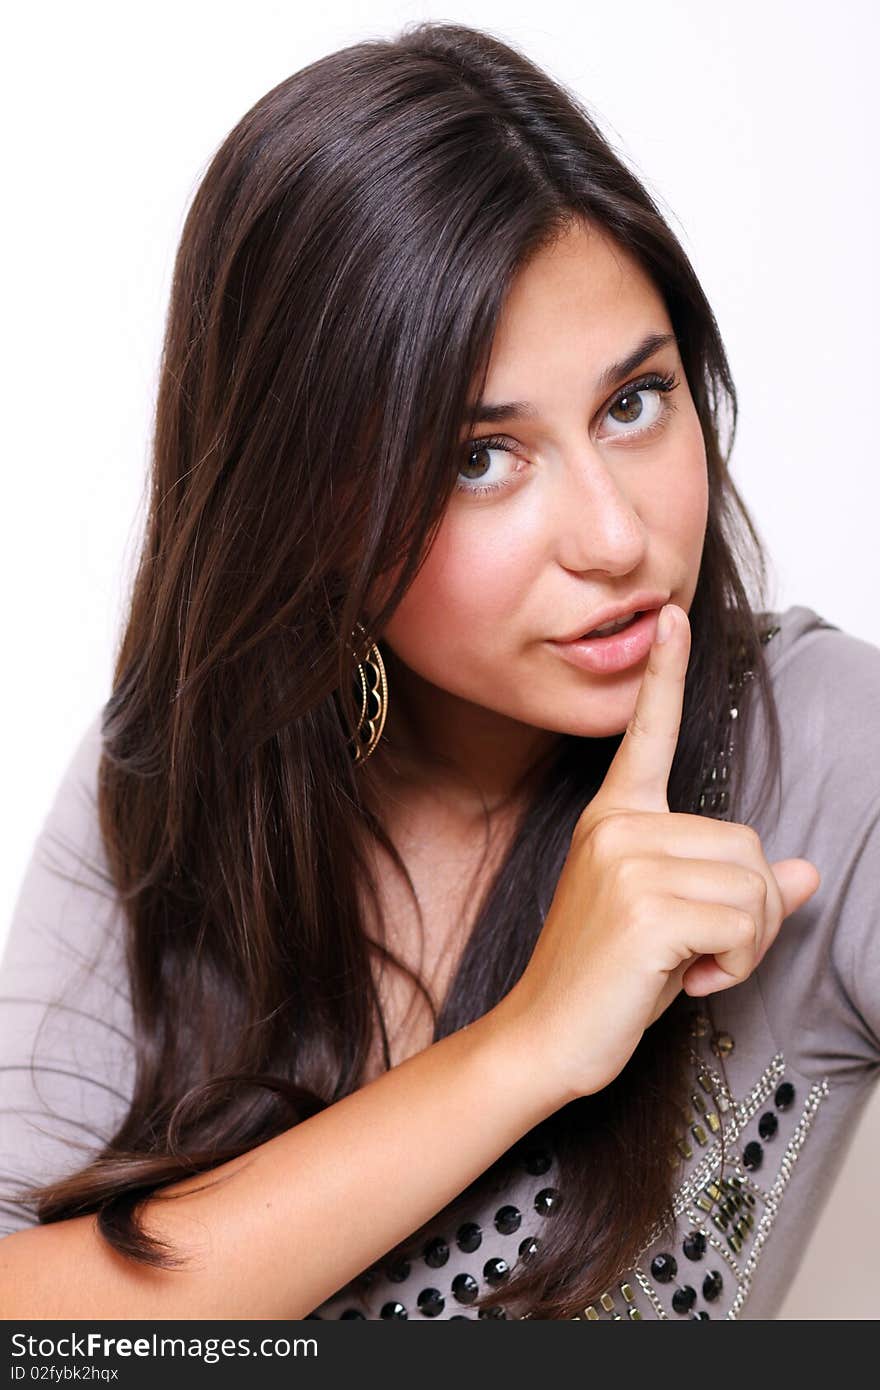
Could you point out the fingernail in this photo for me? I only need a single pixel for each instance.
(665, 624)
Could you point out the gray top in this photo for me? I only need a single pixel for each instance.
(800, 1038)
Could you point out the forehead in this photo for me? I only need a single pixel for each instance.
(583, 301)
(582, 273)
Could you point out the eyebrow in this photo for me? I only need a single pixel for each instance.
(484, 413)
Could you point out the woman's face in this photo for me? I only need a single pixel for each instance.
(594, 500)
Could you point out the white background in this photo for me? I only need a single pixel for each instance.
(756, 127)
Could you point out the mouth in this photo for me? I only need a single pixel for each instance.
(615, 618)
(608, 629)
(613, 647)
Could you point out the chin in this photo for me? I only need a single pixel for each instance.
(612, 727)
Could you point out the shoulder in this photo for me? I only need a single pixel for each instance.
(821, 978)
(808, 647)
(66, 897)
(72, 819)
(826, 684)
(66, 1025)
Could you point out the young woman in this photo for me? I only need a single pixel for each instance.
(394, 949)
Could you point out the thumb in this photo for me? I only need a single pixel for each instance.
(798, 880)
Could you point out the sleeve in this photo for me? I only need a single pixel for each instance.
(856, 942)
(834, 718)
(66, 1053)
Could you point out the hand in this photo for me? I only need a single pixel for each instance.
(648, 901)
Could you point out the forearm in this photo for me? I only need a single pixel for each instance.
(298, 1216)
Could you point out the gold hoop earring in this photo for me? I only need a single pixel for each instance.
(370, 678)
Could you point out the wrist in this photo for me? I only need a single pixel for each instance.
(509, 1037)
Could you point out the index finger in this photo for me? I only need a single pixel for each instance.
(638, 776)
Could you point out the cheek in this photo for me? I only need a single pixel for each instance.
(695, 498)
(476, 577)
(680, 490)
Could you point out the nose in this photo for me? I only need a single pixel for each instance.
(595, 522)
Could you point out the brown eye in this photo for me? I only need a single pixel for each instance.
(476, 463)
(629, 406)
(474, 460)
(644, 404)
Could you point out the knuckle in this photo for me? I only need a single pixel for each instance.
(745, 926)
(641, 915)
(749, 839)
(608, 834)
(629, 878)
(757, 885)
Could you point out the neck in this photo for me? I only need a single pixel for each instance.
(471, 759)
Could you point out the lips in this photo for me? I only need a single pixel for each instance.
(619, 651)
(642, 601)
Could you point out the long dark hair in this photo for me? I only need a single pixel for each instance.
(336, 290)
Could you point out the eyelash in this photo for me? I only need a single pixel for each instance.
(652, 382)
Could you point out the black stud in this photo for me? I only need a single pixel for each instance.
(694, 1245)
(465, 1288)
(664, 1267)
(507, 1220)
(352, 1313)
(547, 1201)
(436, 1252)
(536, 1161)
(712, 1286)
(684, 1299)
(393, 1310)
(785, 1094)
(528, 1247)
(459, 1317)
(753, 1155)
(494, 1310)
(701, 1316)
(469, 1237)
(399, 1271)
(431, 1302)
(496, 1272)
(768, 1125)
